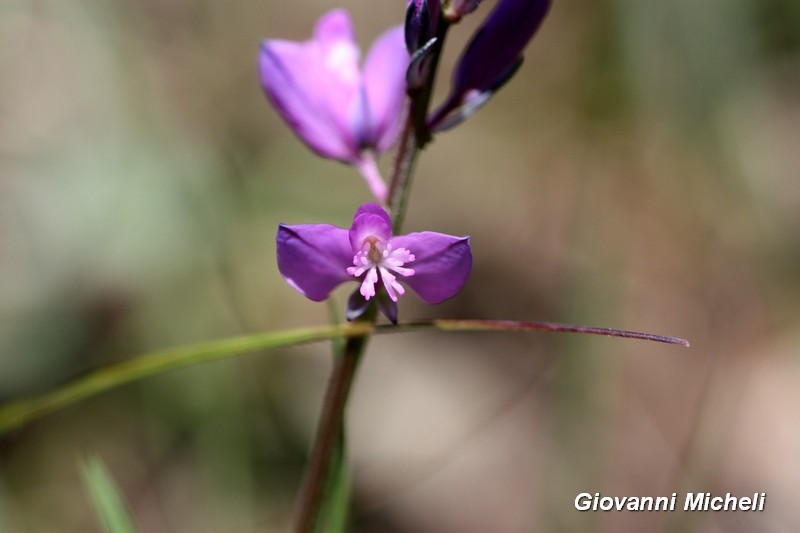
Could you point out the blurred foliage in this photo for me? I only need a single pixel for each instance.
(639, 172)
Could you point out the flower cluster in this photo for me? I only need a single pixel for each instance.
(353, 113)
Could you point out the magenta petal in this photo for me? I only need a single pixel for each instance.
(294, 82)
(340, 56)
(313, 258)
(385, 85)
(316, 85)
(370, 219)
(441, 267)
(374, 209)
(320, 91)
(333, 28)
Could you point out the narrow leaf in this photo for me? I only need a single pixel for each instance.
(334, 319)
(108, 503)
(16, 414)
(337, 493)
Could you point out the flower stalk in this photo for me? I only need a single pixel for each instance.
(330, 433)
(415, 135)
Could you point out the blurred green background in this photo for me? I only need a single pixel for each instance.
(639, 172)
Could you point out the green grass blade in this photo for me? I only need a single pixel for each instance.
(335, 319)
(16, 414)
(107, 500)
(337, 493)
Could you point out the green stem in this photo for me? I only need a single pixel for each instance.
(330, 431)
(415, 136)
(400, 186)
(329, 435)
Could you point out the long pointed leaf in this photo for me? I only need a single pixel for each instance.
(108, 501)
(16, 414)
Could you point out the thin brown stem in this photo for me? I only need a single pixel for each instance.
(401, 177)
(414, 137)
(331, 424)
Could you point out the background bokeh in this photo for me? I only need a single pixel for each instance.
(639, 172)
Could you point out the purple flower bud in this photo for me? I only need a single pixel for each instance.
(455, 9)
(493, 55)
(316, 258)
(422, 18)
(337, 109)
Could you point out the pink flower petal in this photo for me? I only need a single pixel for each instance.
(385, 85)
(316, 86)
(313, 258)
(370, 219)
(441, 267)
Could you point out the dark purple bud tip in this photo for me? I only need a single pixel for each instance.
(357, 305)
(494, 52)
(422, 18)
(387, 306)
(452, 114)
(499, 42)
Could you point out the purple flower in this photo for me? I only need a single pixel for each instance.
(491, 58)
(316, 258)
(339, 110)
